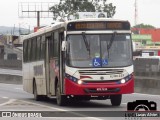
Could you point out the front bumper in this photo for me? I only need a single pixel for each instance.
(72, 88)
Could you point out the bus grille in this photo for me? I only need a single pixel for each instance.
(101, 72)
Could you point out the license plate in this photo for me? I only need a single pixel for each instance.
(102, 89)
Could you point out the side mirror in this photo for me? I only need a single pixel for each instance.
(134, 46)
(64, 45)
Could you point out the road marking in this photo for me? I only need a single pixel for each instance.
(124, 103)
(10, 84)
(5, 97)
(5, 84)
(55, 108)
(18, 88)
(146, 94)
(8, 102)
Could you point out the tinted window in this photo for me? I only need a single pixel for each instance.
(42, 53)
(25, 51)
(38, 48)
(34, 48)
(55, 49)
(29, 50)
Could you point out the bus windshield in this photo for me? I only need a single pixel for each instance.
(100, 50)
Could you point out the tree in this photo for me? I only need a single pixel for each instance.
(143, 26)
(109, 8)
(71, 7)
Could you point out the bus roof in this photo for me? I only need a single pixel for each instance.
(45, 30)
(64, 24)
(96, 19)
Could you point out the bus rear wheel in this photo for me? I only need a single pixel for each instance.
(116, 100)
(36, 96)
(61, 99)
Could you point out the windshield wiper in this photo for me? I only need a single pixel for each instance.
(86, 42)
(110, 43)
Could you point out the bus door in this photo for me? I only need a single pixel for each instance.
(62, 62)
(53, 62)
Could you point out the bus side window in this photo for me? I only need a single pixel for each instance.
(29, 50)
(38, 48)
(42, 47)
(61, 36)
(25, 50)
(55, 49)
(33, 49)
(52, 46)
(49, 39)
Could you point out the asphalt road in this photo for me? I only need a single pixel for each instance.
(13, 98)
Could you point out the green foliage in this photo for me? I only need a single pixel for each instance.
(143, 26)
(109, 8)
(68, 7)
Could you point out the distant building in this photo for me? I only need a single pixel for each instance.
(2, 42)
(155, 33)
(147, 41)
(1, 50)
(11, 42)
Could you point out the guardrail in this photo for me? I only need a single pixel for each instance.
(11, 64)
(10, 72)
(10, 79)
(11, 76)
(147, 65)
(147, 85)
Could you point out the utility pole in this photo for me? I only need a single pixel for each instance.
(38, 19)
(136, 13)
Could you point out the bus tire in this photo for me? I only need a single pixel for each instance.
(116, 100)
(61, 99)
(36, 96)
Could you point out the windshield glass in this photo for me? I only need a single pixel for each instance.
(101, 50)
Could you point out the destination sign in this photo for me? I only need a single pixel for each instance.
(98, 25)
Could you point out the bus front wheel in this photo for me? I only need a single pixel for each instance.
(61, 99)
(116, 100)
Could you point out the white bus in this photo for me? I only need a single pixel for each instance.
(81, 59)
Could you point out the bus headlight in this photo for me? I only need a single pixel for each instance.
(80, 82)
(123, 81)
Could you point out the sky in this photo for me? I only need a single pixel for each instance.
(148, 12)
